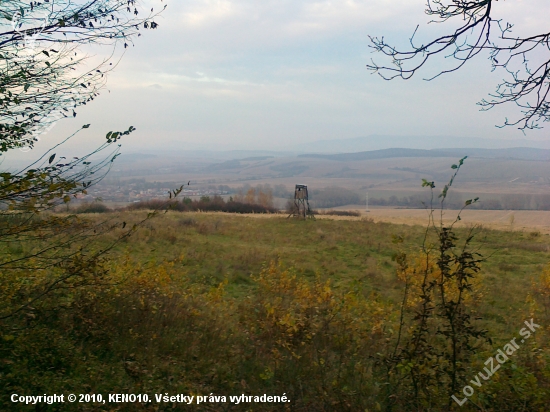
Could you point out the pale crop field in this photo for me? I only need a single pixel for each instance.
(525, 220)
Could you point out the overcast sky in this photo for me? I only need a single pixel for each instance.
(234, 74)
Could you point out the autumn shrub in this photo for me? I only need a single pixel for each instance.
(95, 207)
(38, 352)
(312, 341)
(174, 334)
(522, 383)
(438, 337)
(262, 196)
(207, 204)
(541, 292)
(142, 328)
(438, 334)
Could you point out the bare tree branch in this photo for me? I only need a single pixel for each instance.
(525, 61)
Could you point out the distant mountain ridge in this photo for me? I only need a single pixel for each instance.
(517, 153)
(378, 142)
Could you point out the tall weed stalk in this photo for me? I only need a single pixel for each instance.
(437, 335)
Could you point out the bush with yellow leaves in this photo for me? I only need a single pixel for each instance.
(312, 341)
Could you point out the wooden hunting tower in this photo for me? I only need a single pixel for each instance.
(301, 203)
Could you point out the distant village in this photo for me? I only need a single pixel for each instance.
(139, 190)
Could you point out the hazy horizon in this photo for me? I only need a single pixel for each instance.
(237, 74)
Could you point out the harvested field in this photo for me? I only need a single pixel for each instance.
(525, 220)
(522, 220)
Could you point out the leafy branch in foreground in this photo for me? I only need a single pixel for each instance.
(45, 76)
(437, 336)
(43, 252)
(525, 59)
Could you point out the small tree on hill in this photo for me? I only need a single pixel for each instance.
(437, 334)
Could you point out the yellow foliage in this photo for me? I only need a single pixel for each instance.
(539, 300)
(543, 285)
(423, 269)
(294, 313)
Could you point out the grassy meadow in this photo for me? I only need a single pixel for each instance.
(355, 254)
(213, 303)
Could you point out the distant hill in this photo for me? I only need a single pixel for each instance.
(516, 153)
(135, 157)
(378, 142)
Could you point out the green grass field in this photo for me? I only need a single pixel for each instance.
(352, 254)
(200, 303)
